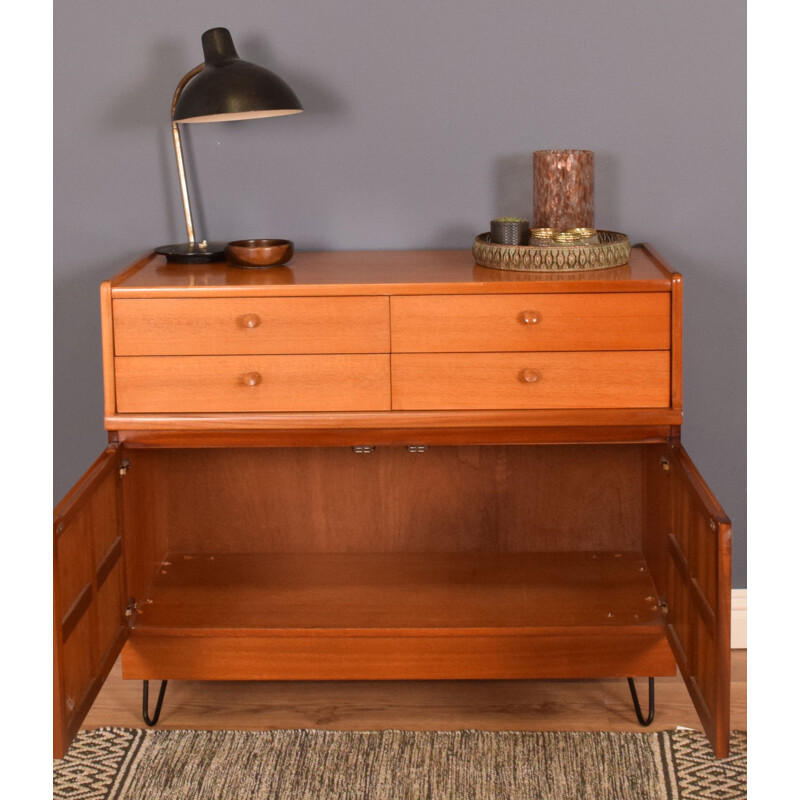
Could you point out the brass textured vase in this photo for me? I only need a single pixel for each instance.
(563, 189)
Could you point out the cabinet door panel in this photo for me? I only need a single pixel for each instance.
(89, 595)
(688, 545)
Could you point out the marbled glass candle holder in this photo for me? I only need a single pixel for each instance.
(563, 189)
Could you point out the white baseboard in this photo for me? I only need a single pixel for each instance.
(739, 619)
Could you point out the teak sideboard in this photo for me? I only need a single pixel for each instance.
(392, 465)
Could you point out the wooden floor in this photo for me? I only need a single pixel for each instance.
(411, 705)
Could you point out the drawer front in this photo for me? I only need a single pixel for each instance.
(252, 383)
(493, 323)
(230, 326)
(435, 381)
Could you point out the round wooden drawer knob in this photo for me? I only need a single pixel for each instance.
(530, 317)
(251, 378)
(250, 321)
(530, 375)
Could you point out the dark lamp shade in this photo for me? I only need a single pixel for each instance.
(228, 88)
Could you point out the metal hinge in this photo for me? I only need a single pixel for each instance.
(131, 611)
(124, 466)
(363, 449)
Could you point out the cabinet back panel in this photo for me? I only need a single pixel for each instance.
(449, 499)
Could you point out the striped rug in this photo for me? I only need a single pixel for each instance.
(124, 764)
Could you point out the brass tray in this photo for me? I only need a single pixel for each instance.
(610, 250)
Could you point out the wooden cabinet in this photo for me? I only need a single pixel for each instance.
(392, 465)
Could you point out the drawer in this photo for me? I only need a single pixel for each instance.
(238, 325)
(531, 380)
(491, 323)
(181, 384)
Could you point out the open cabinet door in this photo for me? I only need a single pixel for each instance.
(89, 597)
(688, 546)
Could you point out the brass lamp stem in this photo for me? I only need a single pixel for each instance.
(176, 140)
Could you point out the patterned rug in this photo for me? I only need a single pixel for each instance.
(123, 764)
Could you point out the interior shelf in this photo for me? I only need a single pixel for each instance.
(474, 593)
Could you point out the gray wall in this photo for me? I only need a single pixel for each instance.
(420, 121)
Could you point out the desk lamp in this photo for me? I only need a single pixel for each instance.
(223, 88)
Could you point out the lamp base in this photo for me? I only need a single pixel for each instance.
(193, 252)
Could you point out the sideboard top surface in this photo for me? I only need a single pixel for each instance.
(382, 272)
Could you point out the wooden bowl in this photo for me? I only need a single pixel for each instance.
(255, 253)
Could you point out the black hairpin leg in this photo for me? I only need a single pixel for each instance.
(145, 702)
(651, 707)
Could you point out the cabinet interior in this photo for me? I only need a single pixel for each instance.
(491, 536)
